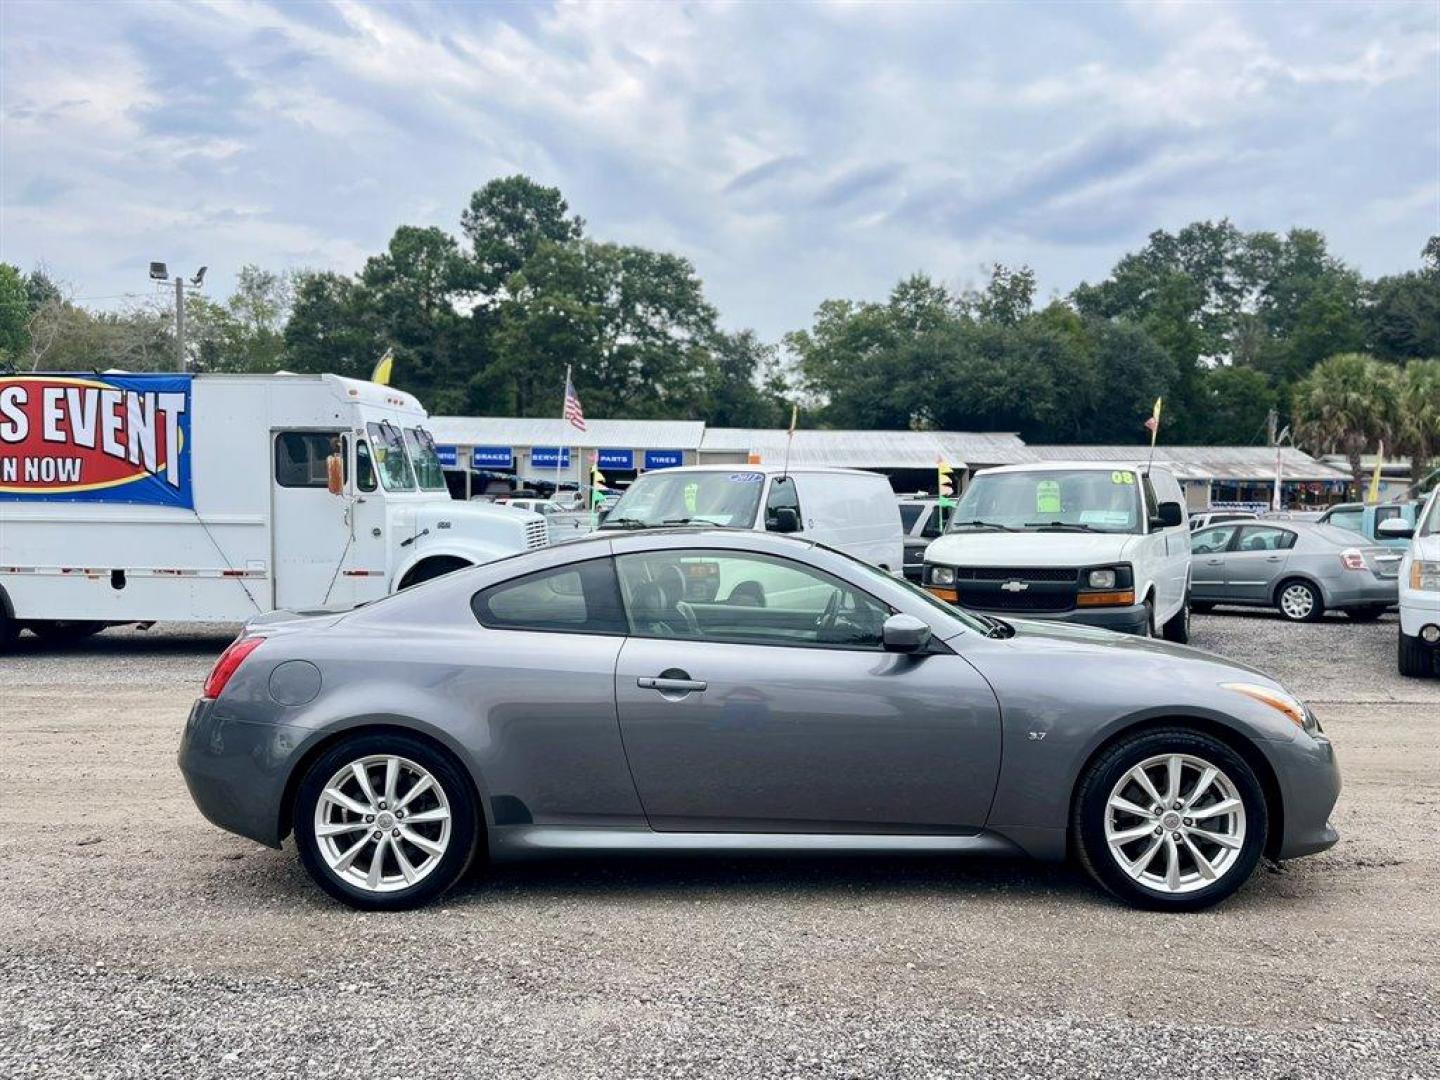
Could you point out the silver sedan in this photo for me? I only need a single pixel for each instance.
(1302, 569)
(731, 692)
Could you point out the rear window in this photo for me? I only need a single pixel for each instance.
(1341, 537)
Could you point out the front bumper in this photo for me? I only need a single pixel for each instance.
(1418, 610)
(1309, 778)
(236, 770)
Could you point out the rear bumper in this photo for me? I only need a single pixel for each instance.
(237, 770)
(1364, 591)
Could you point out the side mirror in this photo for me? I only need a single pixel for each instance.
(1170, 515)
(905, 634)
(786, 520)
(335, 474)
(1395, 529)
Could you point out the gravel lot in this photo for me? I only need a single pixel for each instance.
(137, 940)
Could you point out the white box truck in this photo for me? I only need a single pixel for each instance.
(213, 498)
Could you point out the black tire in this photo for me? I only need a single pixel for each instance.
(1415, 660)
(1177, 629)
(1201, 607)
(431, 569)
(447, 774)
(1149, 628)
(1087, 826)
(64, 631)
(9, 632)
(1317, 602)
(1364, 614)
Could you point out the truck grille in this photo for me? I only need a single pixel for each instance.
(537, 535)
(997, 588)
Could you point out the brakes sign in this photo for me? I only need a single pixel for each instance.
(96, 438)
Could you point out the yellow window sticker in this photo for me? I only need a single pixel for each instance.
(1047, 497)
(1119, 477)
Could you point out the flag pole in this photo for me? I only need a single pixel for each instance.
(1154, 425)
(560, 450)
(789, 438)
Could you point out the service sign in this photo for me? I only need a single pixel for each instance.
(96, 438)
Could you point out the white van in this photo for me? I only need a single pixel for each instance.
(1419, 646)
(845, 508)
(214, 498)
(1091, 542)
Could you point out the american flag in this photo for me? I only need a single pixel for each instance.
(573, 412)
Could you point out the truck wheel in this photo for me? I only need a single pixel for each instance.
(1178, 628)
(64, 631)
(1171, 820)
(9, 631)
(1416, 661)
(1201, 607)
(430, 569)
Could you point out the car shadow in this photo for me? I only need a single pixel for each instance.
(1264, 614)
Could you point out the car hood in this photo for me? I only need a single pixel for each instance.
(1044, 634)
(1028, 548)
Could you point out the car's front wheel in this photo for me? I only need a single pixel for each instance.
(385, 821)
(1172, 819)
(1416, 661)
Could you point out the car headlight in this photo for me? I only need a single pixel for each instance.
(1282, 702)
(1101, 579)
(942, 575)
(1425, 575)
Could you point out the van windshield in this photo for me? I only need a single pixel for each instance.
(673, 497)
(390, 459)
(1082, 500)
(427, 463)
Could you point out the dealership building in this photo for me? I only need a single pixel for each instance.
(490, 454)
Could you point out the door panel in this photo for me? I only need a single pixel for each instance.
(1207, 562)
(1256, 562)
(310, 530)
(806, 739)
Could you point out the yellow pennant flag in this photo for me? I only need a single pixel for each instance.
(1154, 422)
(383, 366)
(1374, 495)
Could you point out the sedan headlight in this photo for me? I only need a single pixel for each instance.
(1287, 704)
(942, 575)
(1101, 579)
(1425, 575)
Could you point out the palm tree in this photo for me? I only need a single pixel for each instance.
(1418, 432)
(1347, 404)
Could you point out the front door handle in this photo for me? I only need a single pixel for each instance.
(1212, 562)
(669, 686)
(1272, 558)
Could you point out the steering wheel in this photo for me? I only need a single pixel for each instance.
(825, 624)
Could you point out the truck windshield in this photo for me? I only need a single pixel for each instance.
(390, 459)
(1431, 525)
(1082, 500)
(427, 464)
(674, 497)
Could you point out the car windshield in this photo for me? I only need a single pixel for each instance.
(1085, 500)
(675, 497)
(1431, 525)
(390, 458)
(425, 460)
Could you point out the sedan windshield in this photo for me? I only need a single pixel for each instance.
(425, 460)
(1082, 500)
(394, 466)
(685, 498)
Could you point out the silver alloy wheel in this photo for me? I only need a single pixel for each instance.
(1175, 823)
(1297, 601)
(382, 823)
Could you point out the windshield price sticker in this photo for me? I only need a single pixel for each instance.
(746, 477)
(1118, 477)
(1047, 497)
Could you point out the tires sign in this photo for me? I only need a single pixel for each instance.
(96, 438)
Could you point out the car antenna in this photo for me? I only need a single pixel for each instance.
(789, 438)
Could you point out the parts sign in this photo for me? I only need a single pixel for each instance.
(96, 438)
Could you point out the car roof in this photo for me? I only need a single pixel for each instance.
(1073, 466)
(768, 470)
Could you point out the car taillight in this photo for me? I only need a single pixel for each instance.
(1352, 560)
(229, 663)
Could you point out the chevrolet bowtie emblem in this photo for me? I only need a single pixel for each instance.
(1015, 586)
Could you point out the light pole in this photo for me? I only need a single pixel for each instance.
(159, 274)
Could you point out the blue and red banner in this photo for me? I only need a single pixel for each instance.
(96, 438)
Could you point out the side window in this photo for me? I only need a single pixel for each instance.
(747, 598)
(301, 456)
(1385, 513)
(1211, 541)
(909, 515)
(364, 466)
(932, 523)
(1265, 538)
(782, 496)
(1152, 505)
(579, 599)
(1352, 519)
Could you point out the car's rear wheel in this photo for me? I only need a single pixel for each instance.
(1416, 661)
(385, 821)
(1201, 607)
(1299, 601)
(1365, 614)
(1173, 820)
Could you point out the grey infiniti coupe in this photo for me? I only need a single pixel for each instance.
(714, 691)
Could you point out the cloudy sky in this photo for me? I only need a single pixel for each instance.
(794, 152)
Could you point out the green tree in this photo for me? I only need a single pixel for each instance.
(14, 316)
(245, 333)
(1348, 404)
(1404, 310)
(332, 327)
(1236, 404)
(507, 222)
(746, 385)
(1418, 431)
